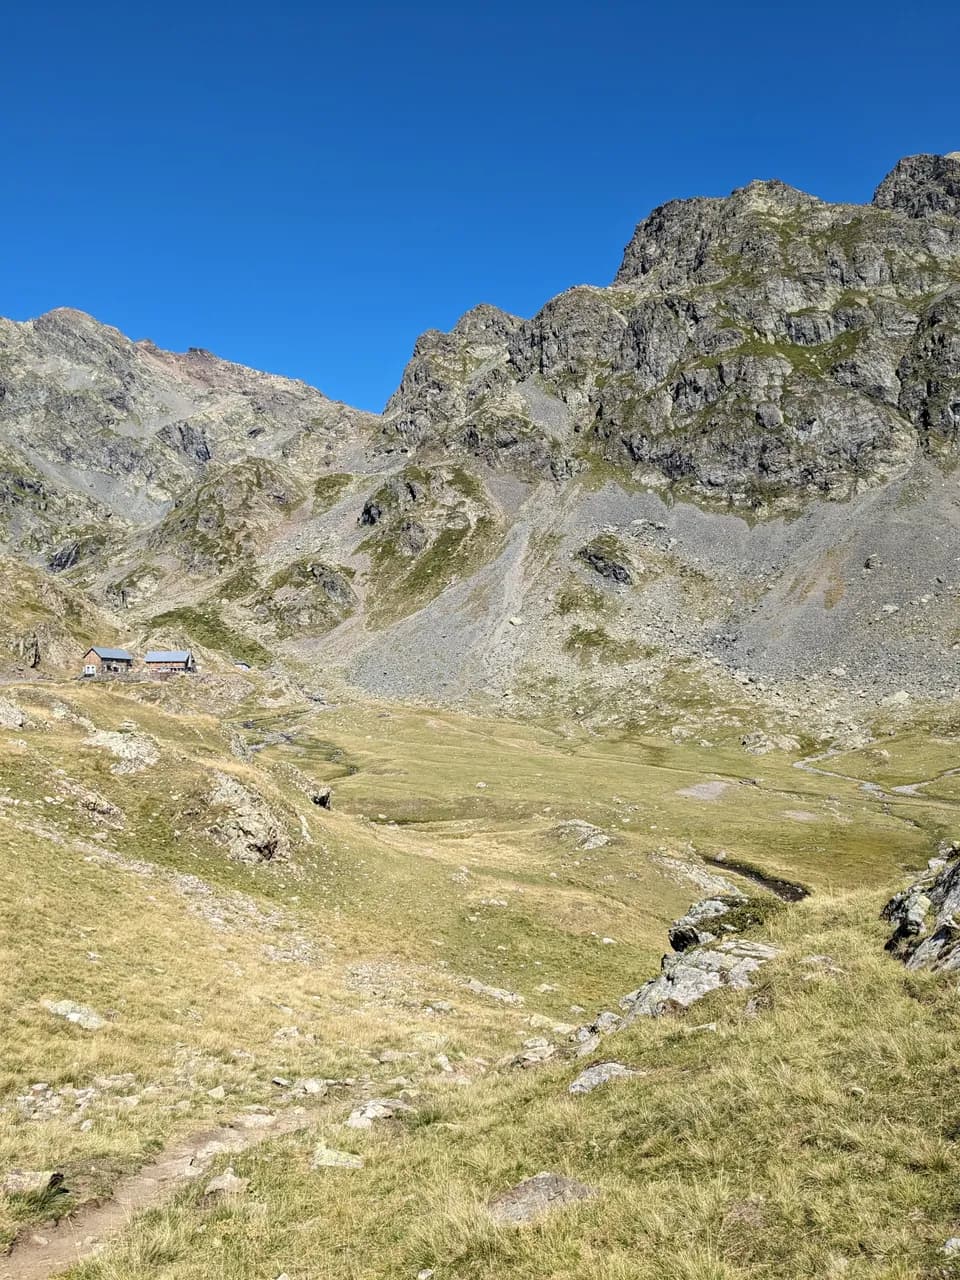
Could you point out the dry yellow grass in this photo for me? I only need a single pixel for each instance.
(740, 1154)
(817, 1139)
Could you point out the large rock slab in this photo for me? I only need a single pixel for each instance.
(687, 978)
(27, 1182)
(135, 752)
(11, 716)
(246, 824)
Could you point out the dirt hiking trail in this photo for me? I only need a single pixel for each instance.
(52, 1248)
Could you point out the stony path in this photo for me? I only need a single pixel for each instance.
(811, 764)
(50, 1249)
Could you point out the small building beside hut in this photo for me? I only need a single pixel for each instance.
(164, 662)
(99, 661)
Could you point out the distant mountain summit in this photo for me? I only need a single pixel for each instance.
(922, 185)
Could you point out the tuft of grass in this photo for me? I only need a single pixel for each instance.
(576, 597)
(595, 644)
(329, 489)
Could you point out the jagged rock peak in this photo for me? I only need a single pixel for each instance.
(70, 321)
(58, 317)
(486, 319)
(677, 236)
(676, 240)
(481, 325)
(74, 335)
(922, 185)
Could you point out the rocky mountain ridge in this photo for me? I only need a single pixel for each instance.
(729, 468)
(755, 347)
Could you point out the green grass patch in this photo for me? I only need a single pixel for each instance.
(329, 489)
(205, 626)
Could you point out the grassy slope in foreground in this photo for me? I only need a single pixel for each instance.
(394, 898)
(815, 1139)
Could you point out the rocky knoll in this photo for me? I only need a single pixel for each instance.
(701, 961)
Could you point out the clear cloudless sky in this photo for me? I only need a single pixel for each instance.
(305, 187)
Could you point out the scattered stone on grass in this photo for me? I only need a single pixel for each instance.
(589, 1036)
(582, 834)
(80, 1014)
(310, 1087)
(325, 1157)
(759, 743)
(533, 1053)
(364, 1116)
(542, 1023)
(536, 1196)
(493, 993)
(226, 1184)
(602, 1073)
(255, 1119)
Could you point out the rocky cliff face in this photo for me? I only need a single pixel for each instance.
(926, 930)
(758, 347)
(730, 468)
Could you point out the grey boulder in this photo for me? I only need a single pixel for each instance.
(925, 917)
(79, 1014)
(325, 1157)
(226, 1184)
(366, 1115)
(689, 932)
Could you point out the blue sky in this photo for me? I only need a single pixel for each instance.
(306, 187)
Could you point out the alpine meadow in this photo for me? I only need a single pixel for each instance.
(513, 836)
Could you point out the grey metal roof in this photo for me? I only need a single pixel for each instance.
(111, 653)
(168, 655)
